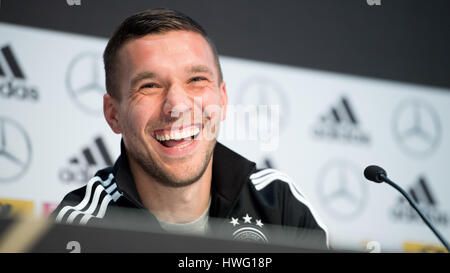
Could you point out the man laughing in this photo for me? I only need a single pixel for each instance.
(166, 97)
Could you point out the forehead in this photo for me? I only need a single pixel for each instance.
(172, 49)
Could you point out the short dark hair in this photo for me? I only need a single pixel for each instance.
(152, 21)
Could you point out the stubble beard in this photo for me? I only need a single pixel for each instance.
(164, 177)
(152, 169)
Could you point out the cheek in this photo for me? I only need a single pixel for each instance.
(136, 116)
(212, 111)
(211, 106)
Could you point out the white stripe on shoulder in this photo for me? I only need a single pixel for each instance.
(86, 198)
(88, 214)
(262, 173)
(261, 182)
(264, 181)
(92, 207)
(103, 206)
(116, 196)
(100, 213)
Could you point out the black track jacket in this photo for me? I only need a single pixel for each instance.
(247, 201)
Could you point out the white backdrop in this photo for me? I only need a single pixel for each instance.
(53, 136)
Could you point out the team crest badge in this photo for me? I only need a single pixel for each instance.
(244, 229)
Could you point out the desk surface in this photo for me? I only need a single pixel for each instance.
(62, 238)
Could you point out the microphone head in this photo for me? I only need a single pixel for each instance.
(373, 173)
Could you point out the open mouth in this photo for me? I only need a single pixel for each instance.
(177, 138)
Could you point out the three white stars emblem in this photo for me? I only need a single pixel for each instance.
(247, 219)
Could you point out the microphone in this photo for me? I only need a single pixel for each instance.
(373, 173)
(378, 175)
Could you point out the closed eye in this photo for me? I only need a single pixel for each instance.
(149, 85)
(197, 79)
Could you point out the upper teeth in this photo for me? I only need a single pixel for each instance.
(177, 135)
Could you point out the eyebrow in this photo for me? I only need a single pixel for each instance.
(190, 70)
(141, 76)
(199, 69)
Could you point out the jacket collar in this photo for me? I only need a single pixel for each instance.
(124, 178)
(229, 175)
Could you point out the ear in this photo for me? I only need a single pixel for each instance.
(223, 100)
(111, 112)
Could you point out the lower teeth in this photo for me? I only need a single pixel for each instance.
(182, 145)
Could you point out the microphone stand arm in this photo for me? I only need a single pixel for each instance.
(416, 207)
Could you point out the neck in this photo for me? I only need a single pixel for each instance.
(170, 204)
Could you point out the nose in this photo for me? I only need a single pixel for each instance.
(176, 102)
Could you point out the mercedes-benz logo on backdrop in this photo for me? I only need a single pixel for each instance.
(85, 82)
(264, 91)
(416, 127)
(341, 189)
(15, 150)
